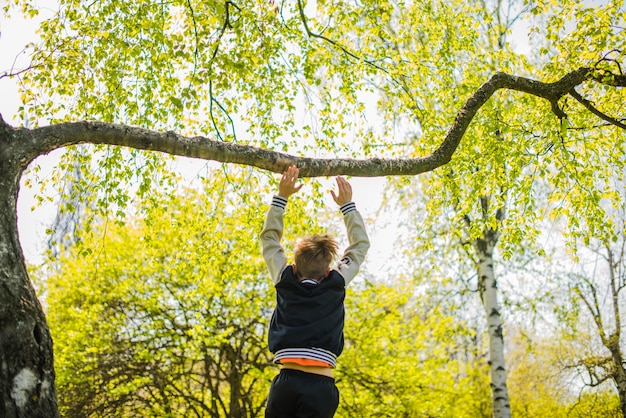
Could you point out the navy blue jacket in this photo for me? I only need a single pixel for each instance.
(308, 315)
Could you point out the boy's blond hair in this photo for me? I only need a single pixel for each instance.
(314, 254)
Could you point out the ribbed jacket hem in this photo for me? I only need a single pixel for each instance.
(308, 353)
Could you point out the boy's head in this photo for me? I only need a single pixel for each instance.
(313, 255)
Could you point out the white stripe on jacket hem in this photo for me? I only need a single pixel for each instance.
(307, 353)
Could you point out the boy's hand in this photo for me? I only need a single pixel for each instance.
(344, 192)
(287, 185)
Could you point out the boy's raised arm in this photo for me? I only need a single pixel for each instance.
(272, 233)
(354, 255)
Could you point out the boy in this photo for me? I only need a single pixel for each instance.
(306, 329)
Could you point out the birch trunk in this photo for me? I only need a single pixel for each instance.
(488, 287)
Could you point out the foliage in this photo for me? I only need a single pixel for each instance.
(293, 77)
(514, 166)
(165, 316)
(536, 381)
(540, 386)
(224, 68)
(592, 319)
(514, 156)
(603, 404)
(408, 354)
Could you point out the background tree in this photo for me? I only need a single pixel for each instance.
(597, 301)
(495, 184)
(224, 68)
(540, 386)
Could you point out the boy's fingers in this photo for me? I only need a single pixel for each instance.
(343, 185)
(342, 182)
(291, 173)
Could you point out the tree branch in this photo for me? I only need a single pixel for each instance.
(46, 139)
(332, 42)
(400, 82)
(197, 40)
(590, 107)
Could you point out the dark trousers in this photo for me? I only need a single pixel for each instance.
(296, 394)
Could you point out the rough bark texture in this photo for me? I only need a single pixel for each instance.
(488, 288)
(619, 373)
(26, 370)
(611, 367)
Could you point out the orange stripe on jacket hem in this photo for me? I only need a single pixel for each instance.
(306, 362)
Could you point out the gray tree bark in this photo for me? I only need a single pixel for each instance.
(26, 362)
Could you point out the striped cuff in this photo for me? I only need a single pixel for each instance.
(347, 208)
(279, 202)
(308, 353)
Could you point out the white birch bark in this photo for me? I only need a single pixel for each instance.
(488, 287)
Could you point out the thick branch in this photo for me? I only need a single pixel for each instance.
(31, 143)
